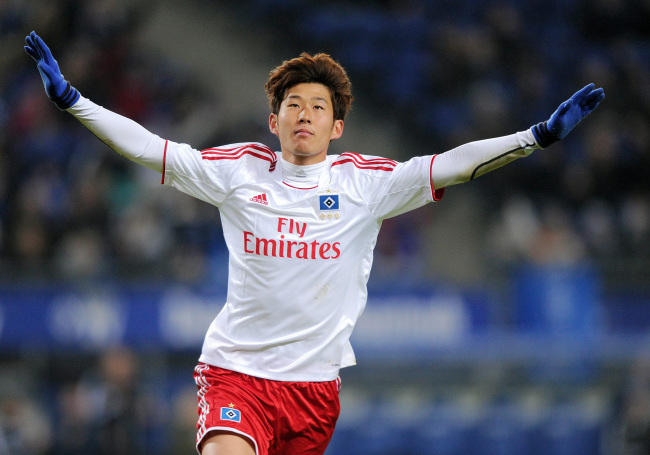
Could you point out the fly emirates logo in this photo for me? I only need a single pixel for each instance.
(291, 249)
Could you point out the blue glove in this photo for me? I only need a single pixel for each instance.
(57, 88)
(568, 115)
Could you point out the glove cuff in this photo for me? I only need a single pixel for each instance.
(69, 96)
(542, 135)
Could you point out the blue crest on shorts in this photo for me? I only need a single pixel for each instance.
(230, 414)
(329, 202)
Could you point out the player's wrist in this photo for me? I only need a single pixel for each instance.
(67, 98)
(543, 135)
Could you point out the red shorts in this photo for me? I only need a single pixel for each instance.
(278, 417)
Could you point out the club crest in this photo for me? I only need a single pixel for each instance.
(230, 414)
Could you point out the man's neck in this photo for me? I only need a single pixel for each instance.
(301, 176)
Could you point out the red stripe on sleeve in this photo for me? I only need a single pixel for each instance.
(436, 194)
(162, 180)
(235, 153)
(359, 161)
(361, 166)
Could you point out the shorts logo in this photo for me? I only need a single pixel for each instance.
(329, 202)
(230, 414)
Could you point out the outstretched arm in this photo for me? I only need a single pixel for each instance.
(474, 159)
(123, 135)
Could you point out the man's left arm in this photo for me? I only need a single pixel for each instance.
(474, 159)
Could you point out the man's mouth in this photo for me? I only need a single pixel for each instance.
(303, 132)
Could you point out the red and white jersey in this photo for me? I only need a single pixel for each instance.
(300, 258)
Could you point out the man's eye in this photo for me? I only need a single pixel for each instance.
(318, 107)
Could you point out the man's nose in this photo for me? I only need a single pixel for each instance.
(304, 117)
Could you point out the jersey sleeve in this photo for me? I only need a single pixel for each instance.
(406, 187)
(471, 160)
(212, 174)
(185, 169)
(123, 135)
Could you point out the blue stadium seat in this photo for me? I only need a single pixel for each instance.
(446, 429)
(503, 430)
(570, 430)
(375, 435)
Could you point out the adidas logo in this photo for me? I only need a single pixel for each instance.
(261, 198)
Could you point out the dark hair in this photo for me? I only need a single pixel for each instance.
(319, 68)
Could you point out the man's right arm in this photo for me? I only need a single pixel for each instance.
(123, 135)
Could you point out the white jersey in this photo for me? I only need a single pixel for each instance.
(300, 258)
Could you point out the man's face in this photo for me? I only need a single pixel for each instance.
(305, 124)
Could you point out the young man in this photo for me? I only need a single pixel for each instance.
(300, 226)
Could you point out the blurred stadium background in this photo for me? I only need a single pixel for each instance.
(513, 317)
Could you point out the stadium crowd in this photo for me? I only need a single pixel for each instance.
(446, 74)
(451, 72)
(68, 209)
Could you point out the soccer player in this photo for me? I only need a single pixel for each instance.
(300, 226)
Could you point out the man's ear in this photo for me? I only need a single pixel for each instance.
(337, 130)
(273, 124)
